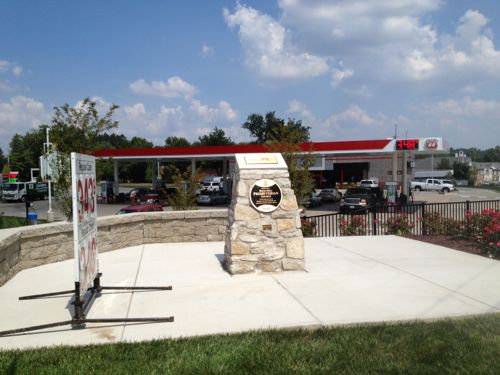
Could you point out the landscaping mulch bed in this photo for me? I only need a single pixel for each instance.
(453, 242)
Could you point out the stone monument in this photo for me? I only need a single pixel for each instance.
(264, 222)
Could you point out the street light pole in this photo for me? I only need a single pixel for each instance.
(50, 213)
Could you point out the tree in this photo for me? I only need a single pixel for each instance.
(216, 137)
(26, 150)
(186, 184)
(3, 161)
(444, 163)
(298, 166)
(75, 129)
(285, 138)
(274, 129)
(177, 142)
(462, 171)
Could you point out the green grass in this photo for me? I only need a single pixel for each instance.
(461, 346)
(15, 221)
(11, 222)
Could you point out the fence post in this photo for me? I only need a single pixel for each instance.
(424, 229)
(467, 222)
(374, 222)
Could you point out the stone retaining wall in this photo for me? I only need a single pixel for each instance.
(27, 247)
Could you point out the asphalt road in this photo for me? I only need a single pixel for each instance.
(463, 194)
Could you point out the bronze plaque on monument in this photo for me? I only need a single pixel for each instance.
(265, 195)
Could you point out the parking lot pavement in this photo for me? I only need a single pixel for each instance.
(463, 194)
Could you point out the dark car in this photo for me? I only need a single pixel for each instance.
(212, 198)
(311, 200)
(330, 195)
(140, 208)
(361, 200)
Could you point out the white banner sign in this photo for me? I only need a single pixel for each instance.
(83, 183)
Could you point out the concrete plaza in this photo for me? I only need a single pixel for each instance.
(348, 280)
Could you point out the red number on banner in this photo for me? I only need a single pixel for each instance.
(92, 195)
(80, 200)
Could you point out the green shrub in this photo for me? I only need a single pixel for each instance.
(352, 225)
(434, 224)
(399, 224)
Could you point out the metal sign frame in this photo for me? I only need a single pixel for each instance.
(87, 276)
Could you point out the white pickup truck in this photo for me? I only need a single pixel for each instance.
(432, 184)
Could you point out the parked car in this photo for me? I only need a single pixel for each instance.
(372, 183)
(212, 198)
(138, 191)
(361, 200)
(140, 208)
(311, 200)
(330, 194)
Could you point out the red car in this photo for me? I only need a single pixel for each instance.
(140, 208)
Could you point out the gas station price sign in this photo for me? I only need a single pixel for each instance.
(406, 144)
(84, 219)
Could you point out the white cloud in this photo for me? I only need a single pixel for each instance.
(13, 68)
(299, 108)
(267, 47)
(340, 75)
(135, 111)
(17, 70)
(464, 122)
(190, 119)
(206, 51)
(353, 115)
(19, 115)
(382, 41)
(223, 111)
(4, 65)
(172, 88)
(470, 51)
(466, 107)
(6, 86)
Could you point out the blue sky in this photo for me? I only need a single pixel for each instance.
(349, 69)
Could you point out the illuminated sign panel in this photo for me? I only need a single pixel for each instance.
(407, 144)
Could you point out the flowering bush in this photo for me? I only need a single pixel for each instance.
(308, 227)
(352, 226)
(399, 224)
(434, 224)
(487, 224)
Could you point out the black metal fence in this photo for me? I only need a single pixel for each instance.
(455, 218)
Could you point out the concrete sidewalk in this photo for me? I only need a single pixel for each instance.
(348, 280)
